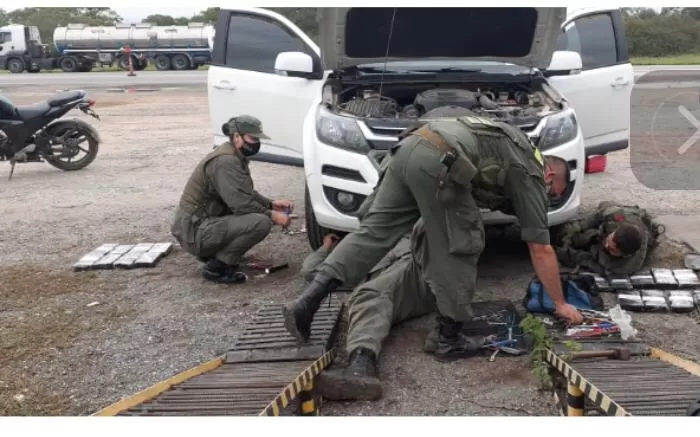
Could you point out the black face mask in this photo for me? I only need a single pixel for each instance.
(250, 149)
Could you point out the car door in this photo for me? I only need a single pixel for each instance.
(242, 80)
(600, 94)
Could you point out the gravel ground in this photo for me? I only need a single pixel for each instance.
(59, 356)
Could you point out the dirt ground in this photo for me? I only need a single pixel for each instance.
(72, 343)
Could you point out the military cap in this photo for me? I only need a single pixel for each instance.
(247, 124)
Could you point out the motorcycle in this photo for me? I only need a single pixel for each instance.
(32, 132)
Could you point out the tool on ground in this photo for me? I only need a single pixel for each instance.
(266, 267)
(617, 353)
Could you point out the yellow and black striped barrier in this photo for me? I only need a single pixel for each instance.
(303, 387)
(579, 388)
(657, 383)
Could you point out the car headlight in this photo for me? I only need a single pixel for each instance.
(558, 130)
(340, 131)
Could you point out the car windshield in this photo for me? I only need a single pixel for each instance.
(407, 67)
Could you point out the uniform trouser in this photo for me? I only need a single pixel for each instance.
(228, 238)
(454, 234)
(393, 296)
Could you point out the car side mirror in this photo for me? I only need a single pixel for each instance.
(296, 64)
(564, 63)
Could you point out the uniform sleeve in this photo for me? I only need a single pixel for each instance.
(312, 262)
(233, 184)
(264, 201)
(573, 258)
(529, 198)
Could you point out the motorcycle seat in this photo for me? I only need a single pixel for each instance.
(32, 111)
(64, 97)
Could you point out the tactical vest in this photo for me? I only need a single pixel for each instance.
(492, 147)
(199, 198)
(618, 213)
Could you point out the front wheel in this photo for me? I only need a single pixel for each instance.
(314, 231)
(68, 141)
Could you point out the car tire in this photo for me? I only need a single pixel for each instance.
(314, 231)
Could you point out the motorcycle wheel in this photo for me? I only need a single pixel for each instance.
(62, 155)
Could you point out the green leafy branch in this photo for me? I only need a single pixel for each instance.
(541, 341)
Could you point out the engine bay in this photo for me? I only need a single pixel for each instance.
(515, 104)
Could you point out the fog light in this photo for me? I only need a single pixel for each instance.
(345, 199)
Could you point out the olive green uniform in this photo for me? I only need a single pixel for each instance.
(395, 291)
(220, 215)
(496, 168)
(580, 243)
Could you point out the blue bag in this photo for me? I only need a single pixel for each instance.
(538, 301)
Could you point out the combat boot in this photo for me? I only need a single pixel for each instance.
(357, 381)
(217, 271)
(453, 344)
(299, 314)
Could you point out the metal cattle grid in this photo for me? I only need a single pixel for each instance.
(262, 374)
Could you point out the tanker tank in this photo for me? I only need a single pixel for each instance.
(169, 47)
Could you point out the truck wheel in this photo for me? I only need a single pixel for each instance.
(85, 68)
(69, 65)
(181, 62)
(314, 232)
(15, 65)
(141, 65)
(163, 63)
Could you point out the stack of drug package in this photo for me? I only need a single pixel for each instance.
(123, 256)
(657, 289)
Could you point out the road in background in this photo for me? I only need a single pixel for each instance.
(193, 79)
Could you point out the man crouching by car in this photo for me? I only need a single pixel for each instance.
(220, 215)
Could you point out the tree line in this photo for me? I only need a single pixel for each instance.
(650, 32)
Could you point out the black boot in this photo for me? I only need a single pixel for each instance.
(299, 313)
(357, 381)
(453, 344)
(217, 271)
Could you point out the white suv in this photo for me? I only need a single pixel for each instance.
(338, 122)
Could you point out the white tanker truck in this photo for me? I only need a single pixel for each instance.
(81, 47)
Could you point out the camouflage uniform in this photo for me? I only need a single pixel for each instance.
(495, 166)
(581, 243)
(220, 215)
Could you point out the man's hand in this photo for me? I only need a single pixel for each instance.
(280, 218)
(546, 266)
(330, 240)
(569, 313)
(282, 205)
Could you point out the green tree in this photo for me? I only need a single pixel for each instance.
(4, 19)
(305, 18)
(182, 21)
(47, 19)
(208, 15)
(159, 20)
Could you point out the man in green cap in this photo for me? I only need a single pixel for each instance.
(445, 172)
(613, 239)
(220, 215)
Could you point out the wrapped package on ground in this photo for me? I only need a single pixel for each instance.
(655, 300)
(642, 280)
(630, 300)
(600, 284)
(686, 278)
(620, 282)
(681, 301)
(664, 279)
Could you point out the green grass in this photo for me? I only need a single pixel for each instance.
(106, 69)
(688, 59)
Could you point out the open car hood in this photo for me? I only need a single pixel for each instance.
(523, 36)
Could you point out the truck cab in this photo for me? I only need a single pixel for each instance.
(572, 63)
(19, 45)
